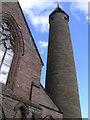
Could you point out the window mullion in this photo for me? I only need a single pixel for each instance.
(3, 58)
(6, 51)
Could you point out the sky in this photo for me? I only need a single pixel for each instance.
(37, 14)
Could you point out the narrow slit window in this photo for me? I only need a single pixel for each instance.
(6, 51)
(65, 17)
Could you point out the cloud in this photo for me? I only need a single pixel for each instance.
(88, 19)
(38, 10)
(38, 19)
(42, 46)
(5, 70)
(4, 74)
(79, 7)
(5, 66)
(3, 78)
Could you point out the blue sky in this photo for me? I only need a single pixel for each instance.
(89, 69)
(37, 12)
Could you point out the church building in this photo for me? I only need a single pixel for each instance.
(21, 94)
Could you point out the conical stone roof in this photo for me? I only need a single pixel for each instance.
(58, 9)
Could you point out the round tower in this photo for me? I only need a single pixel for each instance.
(61, 80)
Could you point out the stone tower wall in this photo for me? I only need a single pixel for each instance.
(61, 80)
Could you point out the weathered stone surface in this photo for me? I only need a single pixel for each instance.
(22, 95)
(61, 80)
(10, 101)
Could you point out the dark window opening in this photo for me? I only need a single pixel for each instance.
(51, 18)
(65, 17)
(7, 45)
(21, 114)
(18, 114)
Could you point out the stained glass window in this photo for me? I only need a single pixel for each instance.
(6, 51)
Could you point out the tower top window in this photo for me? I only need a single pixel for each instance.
(7, 45)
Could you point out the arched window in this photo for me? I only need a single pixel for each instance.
(21, 111)
(6, 51)
(19, 114)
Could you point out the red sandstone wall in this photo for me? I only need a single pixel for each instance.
(49, 108)
(29, 66)
(28, 70)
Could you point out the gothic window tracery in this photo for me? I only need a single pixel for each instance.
(7, 46)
